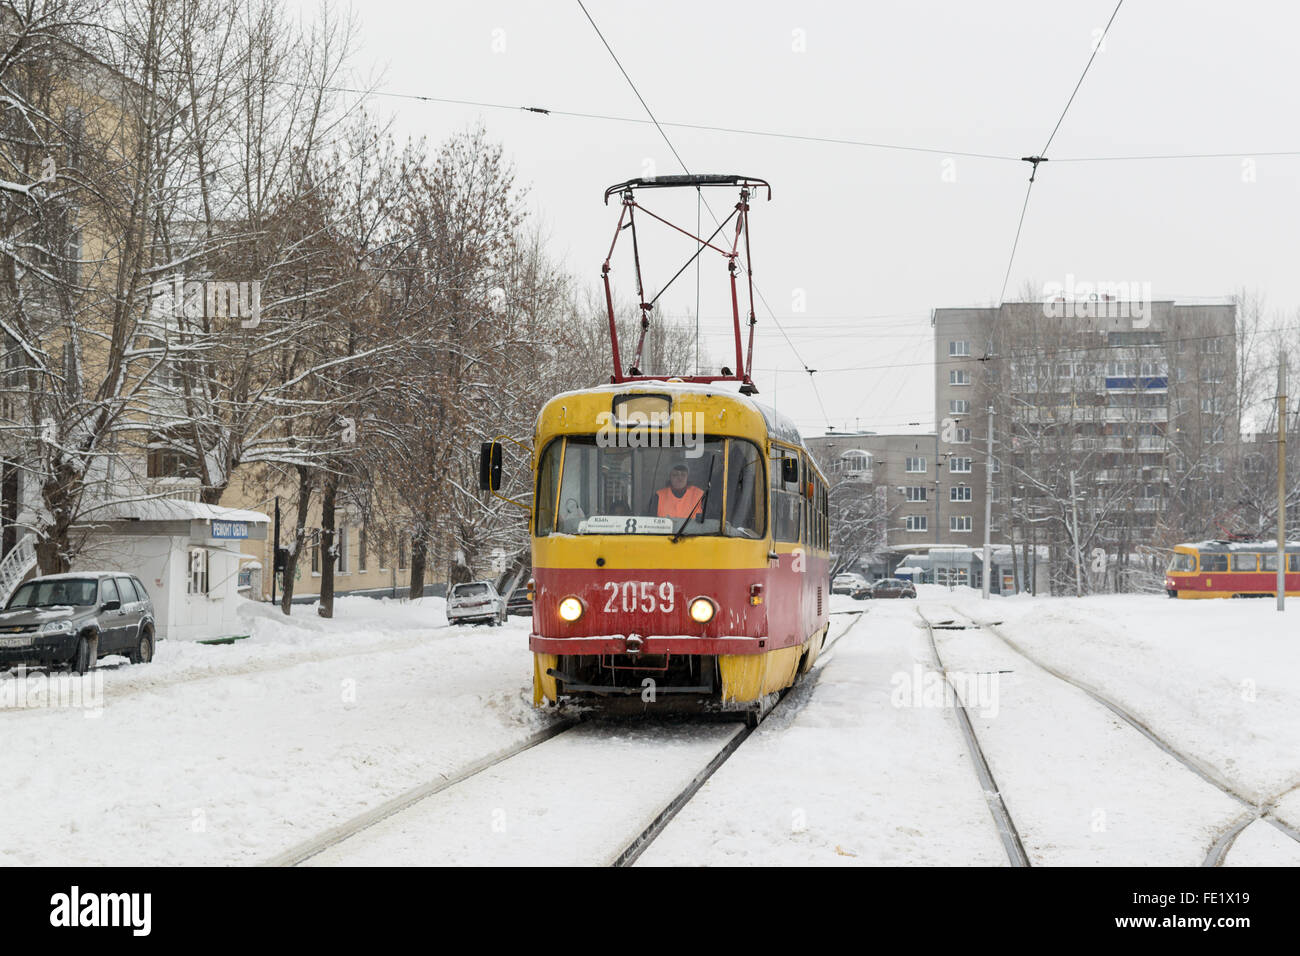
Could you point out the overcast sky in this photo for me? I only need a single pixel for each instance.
(873, 239)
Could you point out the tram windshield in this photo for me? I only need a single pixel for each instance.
(713, 487)
(1182, 562)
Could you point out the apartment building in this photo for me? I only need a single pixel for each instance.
(1132, 402)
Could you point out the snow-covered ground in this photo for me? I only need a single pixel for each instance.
(238, 753)
(233, 753)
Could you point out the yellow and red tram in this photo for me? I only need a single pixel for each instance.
(1230, 569)
(680, 531)
(726, 605)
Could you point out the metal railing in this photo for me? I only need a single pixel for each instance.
(15, 565)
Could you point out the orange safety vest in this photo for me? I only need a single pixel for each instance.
(688, 505)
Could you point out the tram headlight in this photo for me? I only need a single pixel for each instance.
(571, 609)
(702, 610)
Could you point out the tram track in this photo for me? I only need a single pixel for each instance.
(1005, 825)
(1256, 807)
(421, 795)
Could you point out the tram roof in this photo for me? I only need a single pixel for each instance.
(778, 426)
(1219, 547)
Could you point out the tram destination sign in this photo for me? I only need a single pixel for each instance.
(617, 524)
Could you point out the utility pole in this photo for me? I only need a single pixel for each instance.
(275, 550)
(1281, 482)
(1074, 512)
(988, 507)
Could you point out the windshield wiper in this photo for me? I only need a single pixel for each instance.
(708, 485)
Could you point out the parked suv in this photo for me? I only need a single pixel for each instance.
(72, 620)
(476, 601)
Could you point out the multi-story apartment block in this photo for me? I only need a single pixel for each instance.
(1133, 402)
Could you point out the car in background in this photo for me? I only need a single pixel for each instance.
(848, 582)
(476, 602)
(892, 588)
(72, 620)
(519, 603)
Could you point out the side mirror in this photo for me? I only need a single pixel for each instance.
(111, 606)
(790, 469)
(489, 466)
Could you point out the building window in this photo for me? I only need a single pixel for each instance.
(958, 376)
(401, 553)
(361, 549)
(1212, 405)
(959, 523)
(959, 348)
(915, 492)
(958, 406)
(959, 465)
(315, 559)
(916, 465)
(959, 493)
(341, 546)
(916, 522)
(855, 462)
(961, 436)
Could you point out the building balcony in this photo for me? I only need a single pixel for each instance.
(1158, 414)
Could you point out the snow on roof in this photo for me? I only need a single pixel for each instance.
(81, 575)
(1221, 546)
(176, 509)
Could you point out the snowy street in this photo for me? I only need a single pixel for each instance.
(237, 754)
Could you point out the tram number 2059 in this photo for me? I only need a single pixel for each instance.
(643, 596)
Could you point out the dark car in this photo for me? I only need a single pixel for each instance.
(892, 588)
(519, 604)
(72, 620)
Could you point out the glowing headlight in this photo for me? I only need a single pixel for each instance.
(702, 610)
(57, 627)
(571, 609)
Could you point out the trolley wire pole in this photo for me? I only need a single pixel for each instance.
(1281, 482)
(988, 508)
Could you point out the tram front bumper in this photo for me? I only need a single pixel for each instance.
(650, 645)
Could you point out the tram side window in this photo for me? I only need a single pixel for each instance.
(1293, 562)
(1268, 562)
(746, 516)
(1213, 562)
(1243, 562)
(548, 480)
(785, 506)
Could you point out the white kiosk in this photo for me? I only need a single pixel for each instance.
(187, 554)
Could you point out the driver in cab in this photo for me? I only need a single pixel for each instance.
(680, 499)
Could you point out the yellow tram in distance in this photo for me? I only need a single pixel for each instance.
(718, 604)
(1231, 569)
